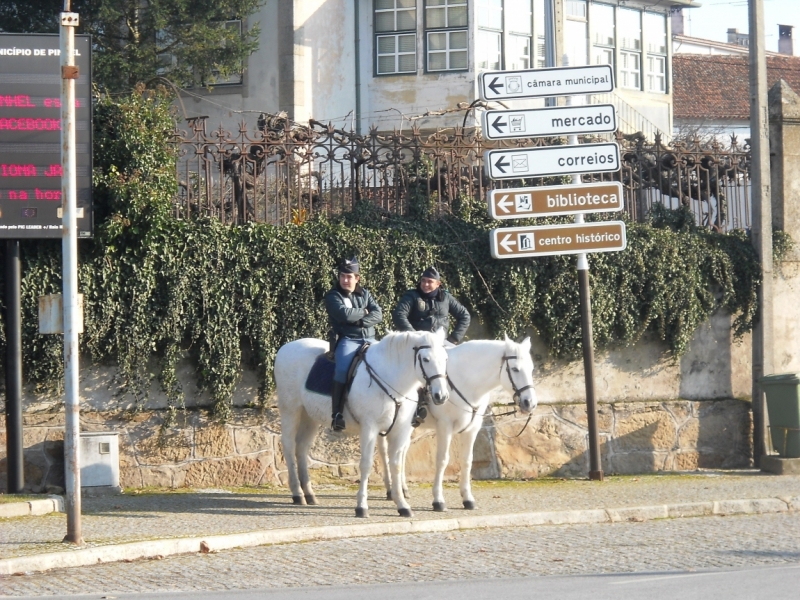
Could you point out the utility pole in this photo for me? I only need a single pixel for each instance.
(69, 250)
(761, 202)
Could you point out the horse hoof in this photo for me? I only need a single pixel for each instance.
(362, 513)
(388, 495)
(405, 512)
(439, 507)
(297, 500)
(311, 499)
(469, 504)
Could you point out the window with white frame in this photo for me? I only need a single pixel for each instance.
(519, 25)
(629, 22)
(601, 18)
(655, 36)
(447, 40)
(489, 39)
(539, 59)
(576, 38)
(395, 36)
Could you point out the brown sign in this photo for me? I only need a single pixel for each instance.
(546, 240)
(520, 203)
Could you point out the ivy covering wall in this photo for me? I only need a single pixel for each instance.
(156, 286)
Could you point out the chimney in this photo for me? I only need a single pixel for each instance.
(785, 45)
(740, 39)
(677, 21)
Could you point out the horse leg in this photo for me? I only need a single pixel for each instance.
(467, 444)
(368, 441)
(397, 449)
(403, 484)
(305, 437)
(289, 428)
(384, 458)
(444, 434)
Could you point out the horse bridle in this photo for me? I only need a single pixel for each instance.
(417, 357)
(373, 376)
(517, 391)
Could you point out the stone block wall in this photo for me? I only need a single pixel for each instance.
(636, 437)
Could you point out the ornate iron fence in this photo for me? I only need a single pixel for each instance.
(278, 172)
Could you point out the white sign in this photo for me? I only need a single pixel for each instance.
(540, 83)
(551, 160)
(561, 120)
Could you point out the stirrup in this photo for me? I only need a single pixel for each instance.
(419, 416)
(337, 424)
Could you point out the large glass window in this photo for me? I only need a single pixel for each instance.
(519, 25)
(538, 34)
(603, 33)
(576, 34)
(396, 36)
(489, 40)
(630, 51)
(447, 47)
(655, 36)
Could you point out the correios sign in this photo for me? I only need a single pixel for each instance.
(545, 201)
(542, 83)
(551, 160)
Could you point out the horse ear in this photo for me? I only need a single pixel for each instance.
(505, 335)
(441, 335)
(526, 345)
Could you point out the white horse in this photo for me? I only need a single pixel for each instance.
(474, 369)
(381, 402)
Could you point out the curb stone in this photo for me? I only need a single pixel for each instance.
(215, 543)
(32, 507)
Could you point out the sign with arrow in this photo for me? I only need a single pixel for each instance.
(561, 120)
(542, 83)
(549, 240)
(551, 160)
(545, 201)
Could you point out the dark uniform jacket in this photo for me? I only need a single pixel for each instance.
(352, 321)
(416, 313)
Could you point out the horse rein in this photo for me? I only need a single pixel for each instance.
(517, 391)
(373, 376)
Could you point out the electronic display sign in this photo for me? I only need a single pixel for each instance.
(30, 136)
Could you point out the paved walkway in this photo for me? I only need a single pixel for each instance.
(141, 525)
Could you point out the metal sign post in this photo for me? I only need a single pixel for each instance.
(69, 248)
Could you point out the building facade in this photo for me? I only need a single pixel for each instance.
(394, 63)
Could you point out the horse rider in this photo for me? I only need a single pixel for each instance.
(352, 314)
(427, 308)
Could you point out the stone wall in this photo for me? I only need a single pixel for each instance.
(636, 437)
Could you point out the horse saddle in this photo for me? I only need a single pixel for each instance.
(320, 377)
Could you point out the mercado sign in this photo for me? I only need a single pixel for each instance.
(542, 83)
(561, 120)
(548, 240)
(545, 201)
(30, 136)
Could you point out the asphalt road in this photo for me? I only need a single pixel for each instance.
(735, 558)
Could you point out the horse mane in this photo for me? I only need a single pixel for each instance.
(395, 343)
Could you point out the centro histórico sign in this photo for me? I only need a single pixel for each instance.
(548, 240)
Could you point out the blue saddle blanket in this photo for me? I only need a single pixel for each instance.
(320, 378)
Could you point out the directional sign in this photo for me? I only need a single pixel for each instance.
(551, 160)
(561, 120)
(545, 201)
(547, 240)
(540, 83)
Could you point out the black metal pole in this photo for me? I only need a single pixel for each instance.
(595, 467)
(15, 466)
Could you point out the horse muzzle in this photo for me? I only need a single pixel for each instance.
(527, 402)
(439, 393)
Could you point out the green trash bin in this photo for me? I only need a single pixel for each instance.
(783, 408)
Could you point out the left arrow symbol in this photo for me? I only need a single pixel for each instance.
(506, 244)
(497, 125)
(494, 85)
(500, 164)
(503, 204)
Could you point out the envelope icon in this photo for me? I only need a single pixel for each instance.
(519, 163)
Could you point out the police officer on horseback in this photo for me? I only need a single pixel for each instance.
(429, 307)
(353, 314)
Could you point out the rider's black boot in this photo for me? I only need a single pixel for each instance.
(337, 402)
(422, 411)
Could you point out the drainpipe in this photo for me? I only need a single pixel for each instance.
(357, 19)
